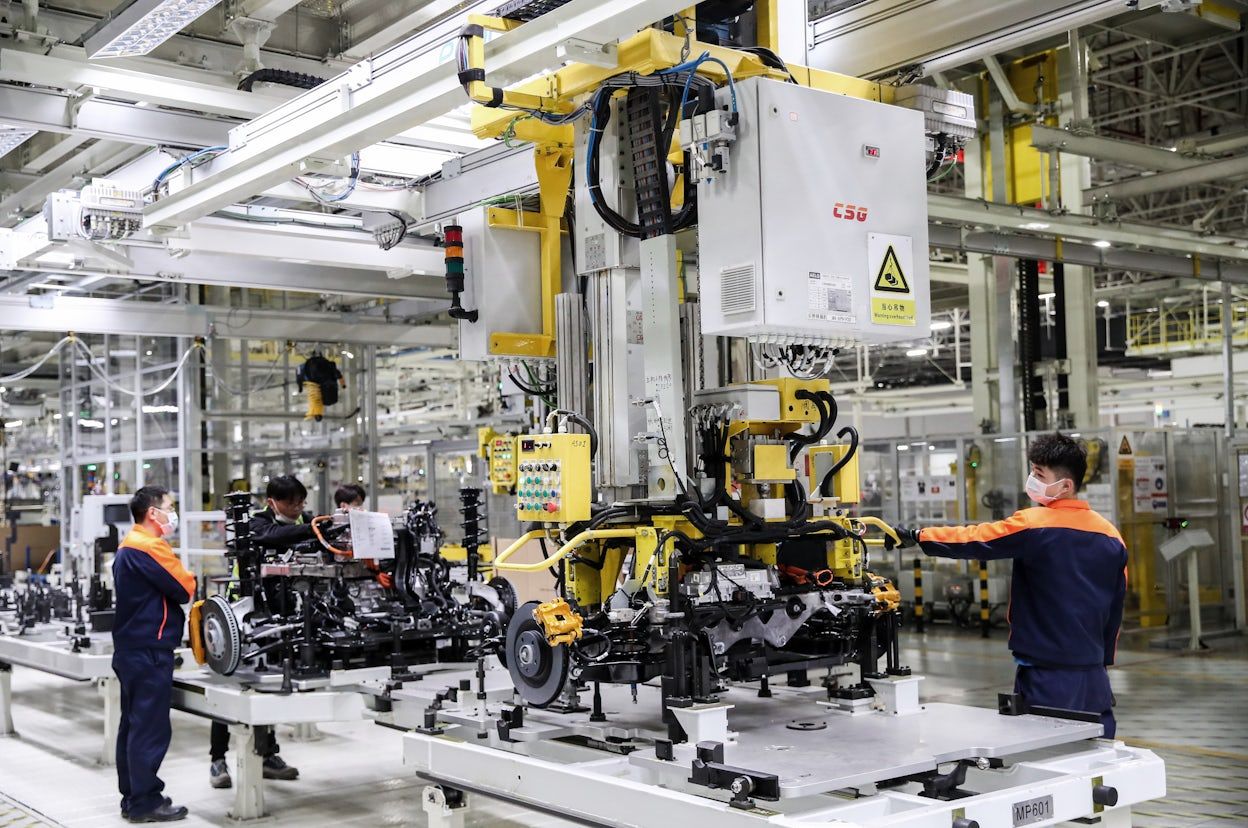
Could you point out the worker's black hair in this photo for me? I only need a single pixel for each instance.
(284, 488)
(348, 493)
(1061, 454)
(144, 499)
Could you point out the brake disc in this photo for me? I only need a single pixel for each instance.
(223, 642)
(537, 669)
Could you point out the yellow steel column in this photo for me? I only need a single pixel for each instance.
(554, 176)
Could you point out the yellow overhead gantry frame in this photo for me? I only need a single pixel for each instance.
(646, 52)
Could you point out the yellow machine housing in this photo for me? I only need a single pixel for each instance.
(553, 478)
(456, 553)
(846, 486)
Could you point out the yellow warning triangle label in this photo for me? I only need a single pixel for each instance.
(890, 278)
(1124, 447)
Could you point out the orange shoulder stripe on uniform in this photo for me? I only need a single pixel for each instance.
(1081, 520)
(159, 550)
(980, 533)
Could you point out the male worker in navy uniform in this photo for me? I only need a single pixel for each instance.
(280, 525)
(151, 586)
(1068, 586)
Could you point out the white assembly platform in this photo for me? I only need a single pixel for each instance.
(828, 766)
(46, 648)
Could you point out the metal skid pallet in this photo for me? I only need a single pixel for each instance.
(792, 759)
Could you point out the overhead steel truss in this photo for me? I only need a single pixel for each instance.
(117, 316)
(398, 89)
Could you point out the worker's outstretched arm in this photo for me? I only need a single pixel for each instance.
(273, 535)
(985, 541)
(1113, 623)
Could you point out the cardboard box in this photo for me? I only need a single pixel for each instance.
(530, 586)
(33, 543)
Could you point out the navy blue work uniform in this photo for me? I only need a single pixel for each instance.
(1066, 598)
(151, 586)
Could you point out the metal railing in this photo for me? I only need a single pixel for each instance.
(1165, 330)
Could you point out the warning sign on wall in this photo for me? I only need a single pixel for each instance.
(892, 295)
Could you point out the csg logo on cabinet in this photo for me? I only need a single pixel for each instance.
(849, 212)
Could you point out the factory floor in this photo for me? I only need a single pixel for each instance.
(1189, 708)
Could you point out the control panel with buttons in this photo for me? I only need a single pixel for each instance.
(552, 477)
(502, 450)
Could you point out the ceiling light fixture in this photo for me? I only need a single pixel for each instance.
(1101, 243)
(916, 352)
(1104, 303)
(942, 326)
(142, 26)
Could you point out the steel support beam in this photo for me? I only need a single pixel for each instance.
(1228, 358)
(117, 316)
(1003, 280)
(1082, 396)
(56, 151)
(1108, 149)
(980, 304)
(347, 249)
(873, 40)
(265, 9)
(165, 84)
(110, 120)
(989, 242)
(95, 160)
(1004, 87)
(1222, 170)
(1012, 218)
(156, 82)
(155, 264)
(389, 22)
(408, 86)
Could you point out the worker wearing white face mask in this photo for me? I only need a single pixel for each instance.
(1068, 586)
(152, 585)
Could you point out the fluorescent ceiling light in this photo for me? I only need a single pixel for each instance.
(942, 326)
(1104, 303)
(1048, 296)
(903, 448)
(1034, 225)
(1101, 243)
(142, 26)
(90, 424)
(160, 409)
(11, 139)
(13, 424)
(916, 352)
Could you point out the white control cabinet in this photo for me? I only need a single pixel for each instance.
(816, 233)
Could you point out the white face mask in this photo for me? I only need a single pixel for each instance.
(170, 525)
(1041, 492)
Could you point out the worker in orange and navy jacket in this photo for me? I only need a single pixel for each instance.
(1068, 586)
(151, 586)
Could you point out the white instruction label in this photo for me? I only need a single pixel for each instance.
(830, 298)
(371, 535)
